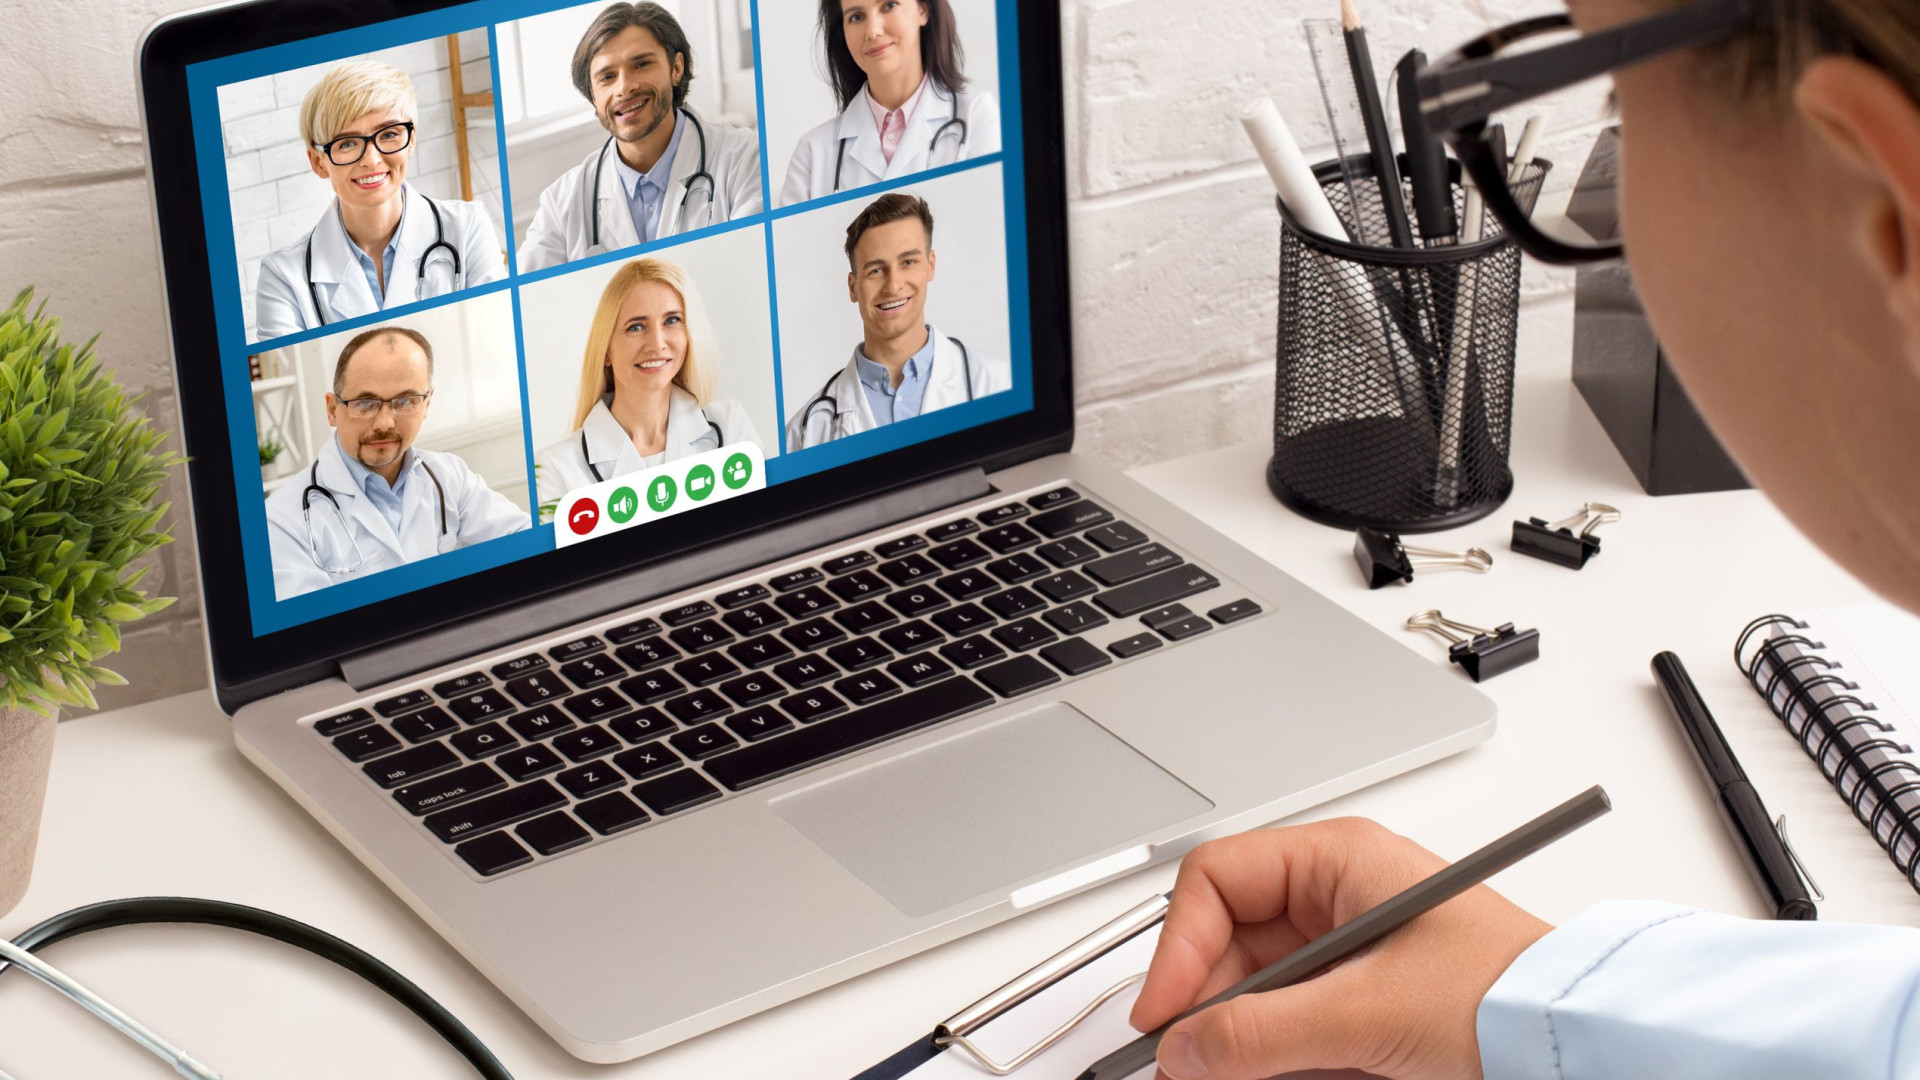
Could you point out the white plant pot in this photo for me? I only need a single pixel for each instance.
(26, 756)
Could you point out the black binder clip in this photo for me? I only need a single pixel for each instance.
(1384, 559)
(1484, 653)
(1558, 543)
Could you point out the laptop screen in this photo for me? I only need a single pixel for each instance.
(508, 282)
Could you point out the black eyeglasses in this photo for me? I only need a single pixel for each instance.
(348, 149)
(1460, 94)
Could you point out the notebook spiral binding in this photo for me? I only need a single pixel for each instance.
(1820, 709)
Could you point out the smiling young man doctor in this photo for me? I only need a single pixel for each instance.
(903, 367)
(663, 170)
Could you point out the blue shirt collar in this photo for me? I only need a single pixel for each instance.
(393, 245)
(877, 377)
(662, 170)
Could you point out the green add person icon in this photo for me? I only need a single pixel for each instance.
(700, 482)
(660, 494)
(737, 471)
(623, 506)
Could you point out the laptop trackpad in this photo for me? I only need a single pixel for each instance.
(977, 813)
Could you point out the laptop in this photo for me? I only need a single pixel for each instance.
(729, 575)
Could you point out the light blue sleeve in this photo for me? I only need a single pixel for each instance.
(1632, 990)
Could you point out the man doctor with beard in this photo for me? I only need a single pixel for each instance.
(903, 367)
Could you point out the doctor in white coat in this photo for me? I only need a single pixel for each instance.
(663, 169)
(647, 381)
(903, 366)
(372, 501)
(381, 243)
(895, 66)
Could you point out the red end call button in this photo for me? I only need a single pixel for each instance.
(582, 516)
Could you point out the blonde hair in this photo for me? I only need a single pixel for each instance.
(1766, 63)
(350, 91)
(697, 372)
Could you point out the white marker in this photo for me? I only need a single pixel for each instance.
(1292, 177)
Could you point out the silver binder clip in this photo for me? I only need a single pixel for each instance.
(1780, 826)
(1558, 543)
(957, 1028)
(1483, 653)
(1384, 559)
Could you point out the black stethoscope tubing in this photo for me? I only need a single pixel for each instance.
(314, 485)
(840, 161)
(600, 165)
(719, 440)
(419, 274)
(828, 398)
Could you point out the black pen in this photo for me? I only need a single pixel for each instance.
(1765, 852)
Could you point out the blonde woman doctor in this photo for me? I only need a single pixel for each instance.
(381, 244)
(646, 385)
(895, 66)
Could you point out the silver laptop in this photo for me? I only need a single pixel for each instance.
(665, 501)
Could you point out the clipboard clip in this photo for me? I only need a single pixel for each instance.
(1483, 653)
(1384, 560)
(1558, 543)
(954, 1031)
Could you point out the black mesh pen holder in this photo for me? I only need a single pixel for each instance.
(1393, 403)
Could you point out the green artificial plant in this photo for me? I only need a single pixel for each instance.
(78, 476)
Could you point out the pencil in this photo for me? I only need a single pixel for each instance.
(1379, 139)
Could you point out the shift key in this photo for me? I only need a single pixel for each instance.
(484, 815)
(1151, 592)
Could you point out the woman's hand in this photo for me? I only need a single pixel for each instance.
(1403, 1009)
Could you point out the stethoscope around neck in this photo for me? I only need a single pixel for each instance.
(599, 477)
(315, 487)
(701, 174)
(836, 426)
(420, 270)
(840, 161)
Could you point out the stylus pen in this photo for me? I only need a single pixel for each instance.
(1766, 854)
(1345, 940)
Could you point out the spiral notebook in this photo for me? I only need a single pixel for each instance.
(1846, 683)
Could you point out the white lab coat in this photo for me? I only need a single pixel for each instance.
(475, 513)
(810, 174)
(282, 304)
(563, 467)
(840, 408)
(562, 228)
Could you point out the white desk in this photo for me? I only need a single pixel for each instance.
(155, 800)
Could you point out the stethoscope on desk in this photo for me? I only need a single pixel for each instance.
(719, 440)
(840, 161)
(419, 273)
(314, 486)
(836, 426)
(600, 165)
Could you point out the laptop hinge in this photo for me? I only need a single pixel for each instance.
(487, 633)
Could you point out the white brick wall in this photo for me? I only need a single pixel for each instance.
(1174, 240)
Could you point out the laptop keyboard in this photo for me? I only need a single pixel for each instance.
(527, 757)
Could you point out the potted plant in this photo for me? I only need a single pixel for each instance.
(78, 476)
(270, 452)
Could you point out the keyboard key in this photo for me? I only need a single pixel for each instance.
(1119, 536)
(1009, 538)
(741, 597)
(650, 653)
(537, 687)
(1166, 616)
(911, 637)
(1020, 675)
(967, 584)
(1056, 497)
(675, 792)
(574, 650)
(1152, 592)
(444, 791)
(750, 690)
(761, 651)
(529, 761)
(590, 780)
(513, 669)
(649, 760)
(910, 570)
(774, 758)
(698, 707)
(341, 723)
(1068, 551)
(866, 618)
(1074, 618)
(917, 671)
(963, 620)
(893, 549)
(701, 636)
(1185, 628)
(610, 814)
(540, 723)
(494, 854)
(959, 554)
(704, 741)
(477, 708)
(643, 725)
(1017, 568)
(973, 652)
(806, 603)
(1228, 613)
(952, 530)
(591, 671)
(587, 743)
(686, 613)
(759, 724)
(409, 765)
(813, 705)
(756, 619)
(1071, 518)
(1025, 634)
(633, 631)
(1000, 515)
(806, 671)
(1131, 565)
(484, 741)
(790, 582)
(866, 689)
(460, 684)
(652, 688)
(845, 563)
(1065, 586)
(917, 601)
(597, 705)
(814, 634)
(366, 744)
(1014, 603)
(425, 724)
(1075, 656)
(857, 586)
(1127, 648)
(553, 834)
(407, 702)
(706, 670)
(859, 654)
(494, 811)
